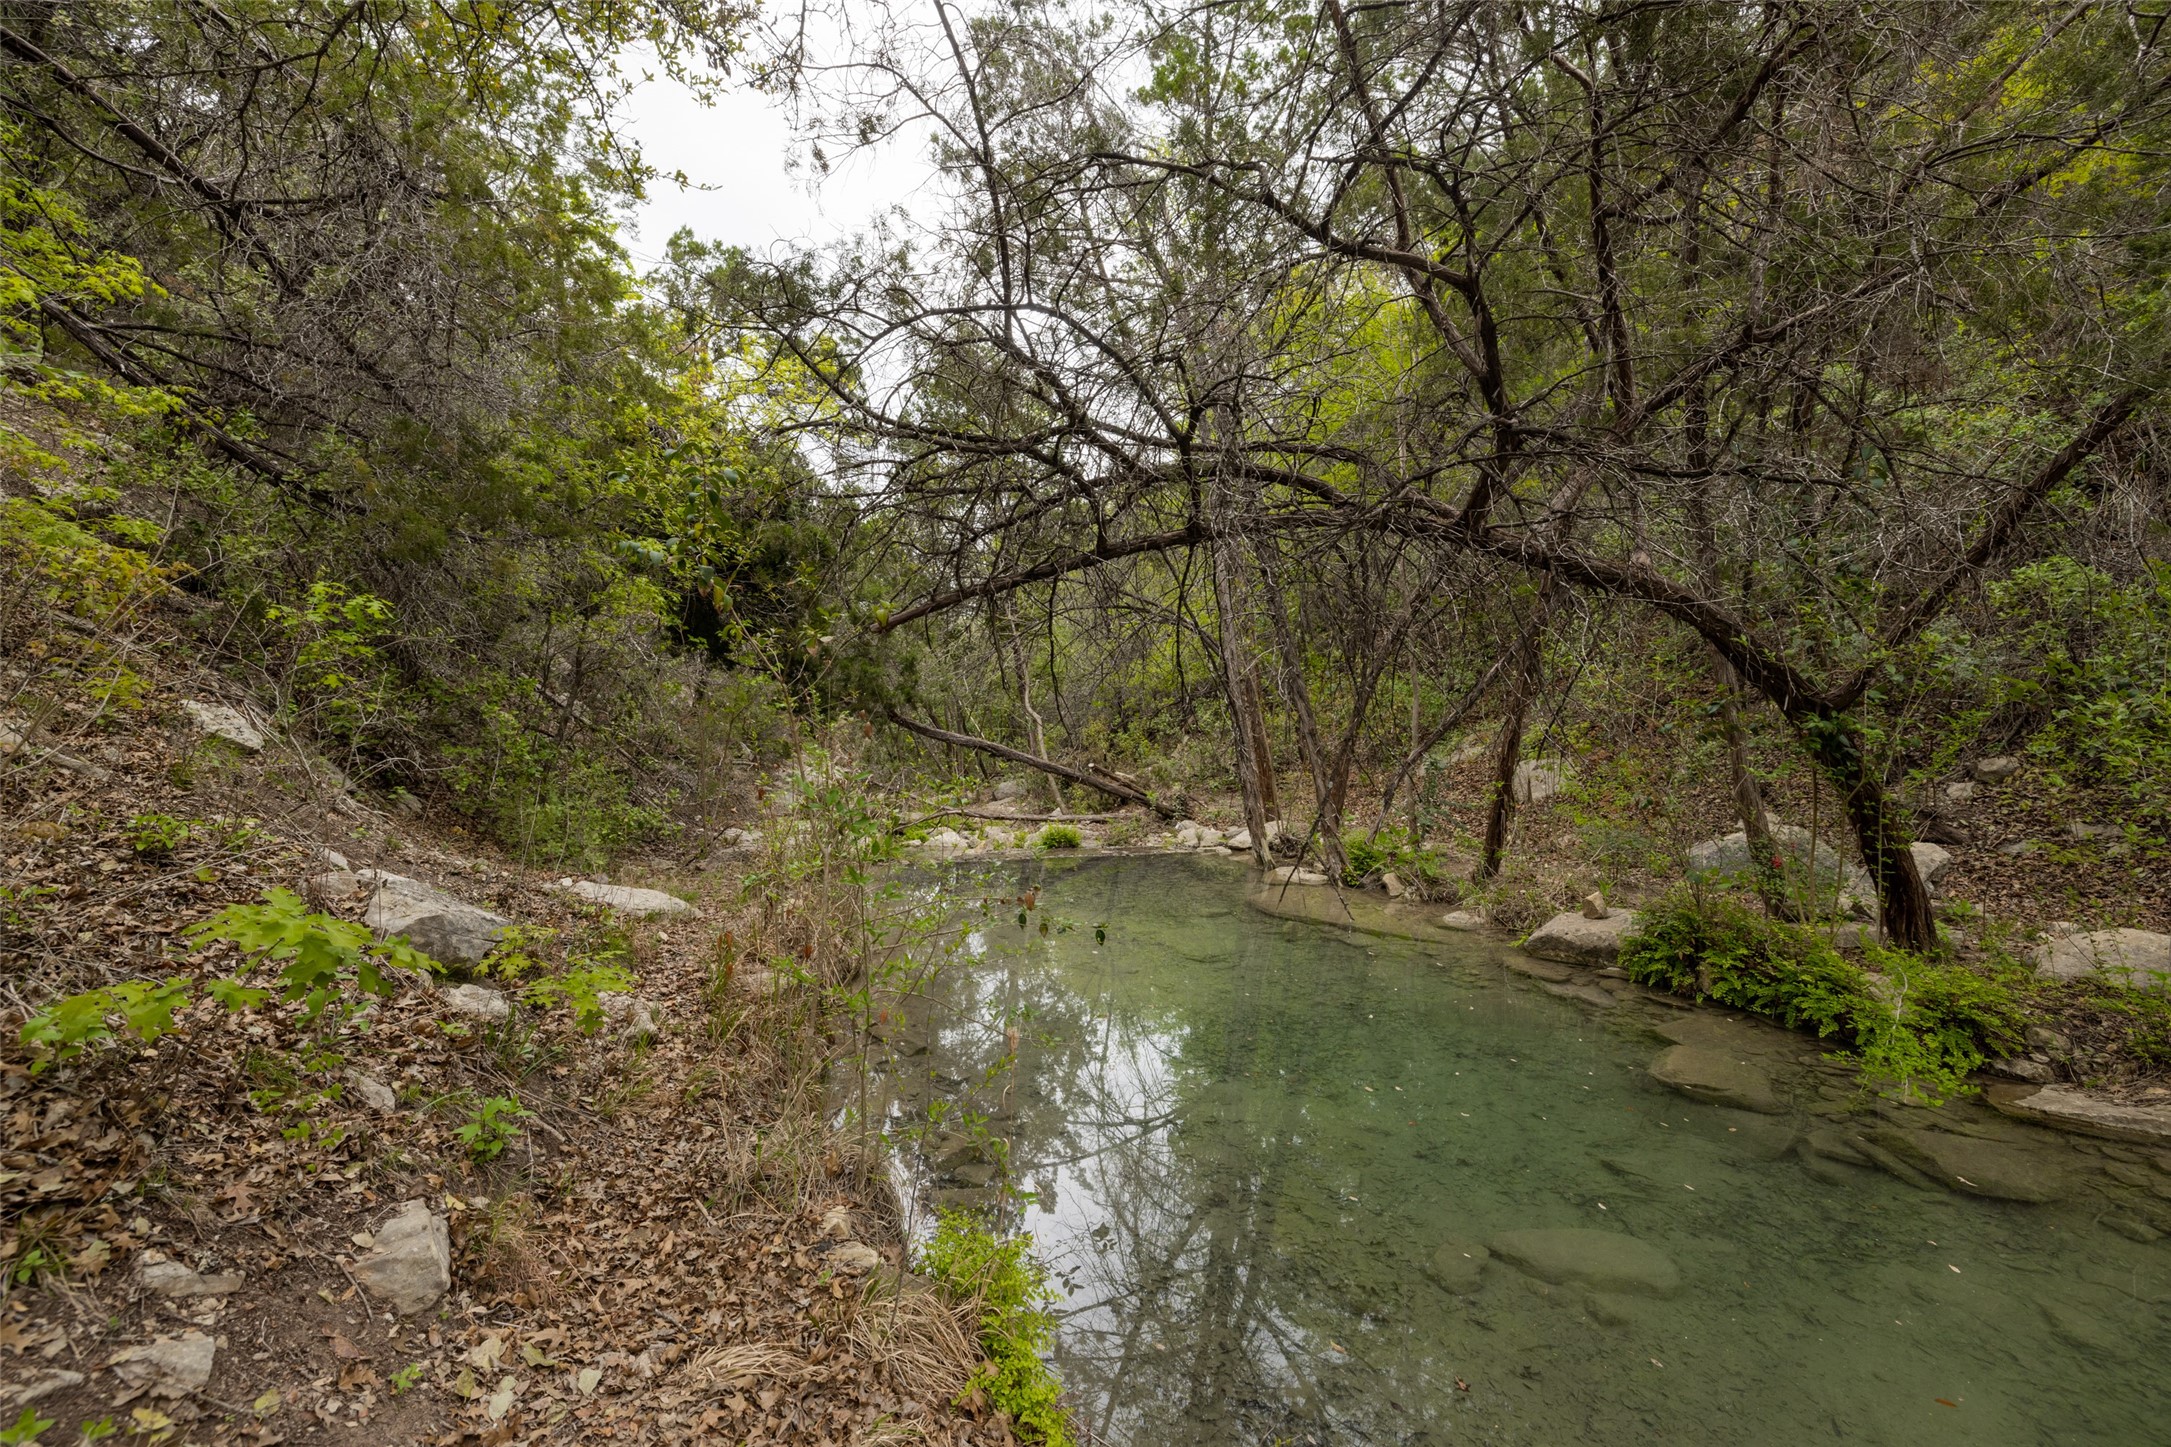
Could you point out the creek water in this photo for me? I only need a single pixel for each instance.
(1263, 1160)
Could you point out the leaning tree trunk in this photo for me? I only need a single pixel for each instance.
(1879, 831)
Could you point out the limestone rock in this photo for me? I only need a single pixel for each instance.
(2139, 958)
(169, 1367)
(1293, 874)
(1960, 792)
(1601, 1260)
(1394, 886)
(1579, 941)
(372, 1092)
(478, 1002)
(1710, 1073)
(1588, 994)
(1728, 856)
(2020, 1067)
(160, 1276)
(1240, 840)
(411, 1266)
(624, 898)
(634, 1016)
(1978, 1167)
(223, 721)
(852, 1258)
(45, 1383)
(2069, 1108)
(1537, 780)
(1931, 861)
(1462, 919)
(433, 921)
(1459, 1266)
(331, 887)
(1009, 789)
(1594, 905)
(1995, 769)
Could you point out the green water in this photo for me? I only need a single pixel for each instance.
(1247, 1137)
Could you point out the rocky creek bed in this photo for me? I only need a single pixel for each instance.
(1352, 1172)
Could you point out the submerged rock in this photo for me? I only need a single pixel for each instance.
(1710, 1073)
(1462, 919)
(1601, 1260)
(1576, 940)
(1459, 1266)
(1978, 1167)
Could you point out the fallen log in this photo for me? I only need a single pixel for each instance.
(1114, 788)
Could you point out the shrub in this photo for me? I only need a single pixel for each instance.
(1058, 836)
(1924, 1025)
(1390, 849)
(971, 1262)
(319, 957)
(492, 1125)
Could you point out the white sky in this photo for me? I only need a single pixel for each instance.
(746, 191)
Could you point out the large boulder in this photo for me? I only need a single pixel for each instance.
(410, 1266)
(2136, 957)
(1575, 939)
(434, 922)
(1931, 861)
(1601, 1260)
(1720, 1076)
(1727, 857)
(624, 898)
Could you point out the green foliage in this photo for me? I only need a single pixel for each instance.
(342, 686)
(156, 836)
(68, 568)
(1058, 836)
(1389, 851)
(405, 1379)
(144, 1008)
(319, 956)
(28, 1428)
(1011, 1289)
(491, 1126)
(2092, 664)
(578, 984)
(1921, 1025)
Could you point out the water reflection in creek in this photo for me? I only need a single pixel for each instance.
(1266, 1160)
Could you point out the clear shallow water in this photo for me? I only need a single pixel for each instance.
(1246, 1139)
